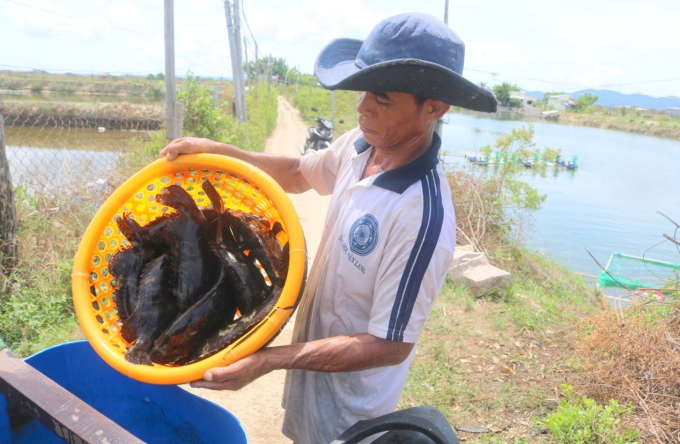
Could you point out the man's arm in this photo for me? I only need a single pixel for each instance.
(337, 354)
(283, 169)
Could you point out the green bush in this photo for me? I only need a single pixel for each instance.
(202, 119)
(37, 87)
(584, 421)
(36, 310)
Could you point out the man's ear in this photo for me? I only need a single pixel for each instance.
(436, 109)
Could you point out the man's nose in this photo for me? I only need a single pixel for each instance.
(364, 107)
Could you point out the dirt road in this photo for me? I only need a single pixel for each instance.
(258, 406)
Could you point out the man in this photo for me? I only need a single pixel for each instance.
(390, 230)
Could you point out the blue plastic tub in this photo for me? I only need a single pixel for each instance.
(153, 413)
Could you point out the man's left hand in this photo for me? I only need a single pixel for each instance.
(234, 376)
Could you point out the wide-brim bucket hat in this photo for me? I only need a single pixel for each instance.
(413, 53)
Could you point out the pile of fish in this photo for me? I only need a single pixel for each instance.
(181, 279)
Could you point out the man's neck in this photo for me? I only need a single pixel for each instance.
(384, 159)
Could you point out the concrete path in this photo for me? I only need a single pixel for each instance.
(258, 406)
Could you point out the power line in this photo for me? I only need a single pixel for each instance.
(102, 24)
(243, 11)
(497, 74)
(637, 83)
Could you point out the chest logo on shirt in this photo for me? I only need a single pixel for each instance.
(363, 236)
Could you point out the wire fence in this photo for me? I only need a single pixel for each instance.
(52, 148)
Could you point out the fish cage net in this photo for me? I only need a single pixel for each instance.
(62, 150)
(624, 273)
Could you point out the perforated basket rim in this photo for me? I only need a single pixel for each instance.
(259, 336)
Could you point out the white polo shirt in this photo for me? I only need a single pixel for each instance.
(388, 242)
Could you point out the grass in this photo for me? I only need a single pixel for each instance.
(36, 310)
(622, 119)
(85, 88)
(307, 97)
(496, 361)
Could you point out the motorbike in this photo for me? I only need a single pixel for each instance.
(320, 135)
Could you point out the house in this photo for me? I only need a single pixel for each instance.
(559, 102)
(525, 99)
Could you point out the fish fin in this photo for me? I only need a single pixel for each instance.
(174, 196)
(138, 356)
(213, 195)
(276, 228)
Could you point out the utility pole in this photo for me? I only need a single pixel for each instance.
(257, 64)
(333, 106)
(439, 125)
(236, 67)
(173, 110)
(239, 60)
(269, 73)
(245, 51)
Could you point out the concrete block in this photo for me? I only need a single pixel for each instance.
(486, 279)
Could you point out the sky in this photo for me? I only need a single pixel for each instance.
(628, 46)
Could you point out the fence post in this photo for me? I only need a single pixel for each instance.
(8, 224)
(216, 97)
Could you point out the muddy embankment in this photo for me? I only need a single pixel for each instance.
(651, 126)
(122, 116)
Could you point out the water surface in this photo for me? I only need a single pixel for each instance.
(608, 205)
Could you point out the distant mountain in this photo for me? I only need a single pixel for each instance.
(614, 98)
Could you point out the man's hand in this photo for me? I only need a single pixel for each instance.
(189, 145)
(336, 354)
(234, 376)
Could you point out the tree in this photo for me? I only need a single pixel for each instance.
(279, 67)
(503, 91)
(8, 226)
(585, 101)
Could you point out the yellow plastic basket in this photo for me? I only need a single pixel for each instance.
(242, 187)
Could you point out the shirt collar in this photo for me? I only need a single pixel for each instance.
(399, 179)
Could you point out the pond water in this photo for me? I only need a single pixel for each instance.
(51, 169)
(609, 204)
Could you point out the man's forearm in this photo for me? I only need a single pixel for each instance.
(337, 354)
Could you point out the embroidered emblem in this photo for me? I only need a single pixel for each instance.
(363, 236)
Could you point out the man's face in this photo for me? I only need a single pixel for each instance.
(391, 120)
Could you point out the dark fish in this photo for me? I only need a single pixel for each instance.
(232, 331)
(190, 329)
(156, 309)
(251, 233)
(245, 277)
(126, 266)
(194, 264)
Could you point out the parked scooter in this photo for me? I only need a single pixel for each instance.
(320, 135)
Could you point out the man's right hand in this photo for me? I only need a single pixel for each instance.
(189, 145)
(284, 169)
